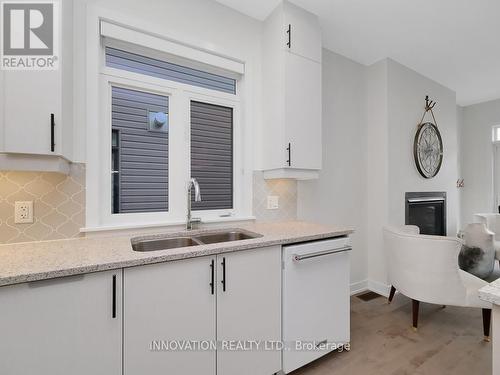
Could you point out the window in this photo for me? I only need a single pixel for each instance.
(132, 62)
(212, 154)
(139, 151)
(115, 170)
(163, 124)
(496, 133)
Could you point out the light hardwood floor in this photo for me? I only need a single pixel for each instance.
(449, 341)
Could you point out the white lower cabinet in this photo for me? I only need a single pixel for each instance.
(71, 325)
(168, 303)
(249, 309)
(175, 303)
(141, 320)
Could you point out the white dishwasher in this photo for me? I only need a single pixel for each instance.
(316, 304)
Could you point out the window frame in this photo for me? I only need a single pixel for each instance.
(494, 130)
(180, 97)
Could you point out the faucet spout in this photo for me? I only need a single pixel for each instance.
(197, 198)
(197, 191)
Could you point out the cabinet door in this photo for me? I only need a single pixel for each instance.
(29, 99)
(249, 308)
(303, 111)
(62, 326)
(169, 303)
(305, 32)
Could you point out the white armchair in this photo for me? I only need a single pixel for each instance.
(492, 222)
(425, 269)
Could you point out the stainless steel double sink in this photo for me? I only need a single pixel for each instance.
(154, 243)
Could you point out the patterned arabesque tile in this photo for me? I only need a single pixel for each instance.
(58, 204)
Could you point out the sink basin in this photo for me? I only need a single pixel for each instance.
(205, 238)
(209, 238)
(164, 243)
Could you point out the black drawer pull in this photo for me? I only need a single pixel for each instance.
(289, 149)
(52, 133)
(289, 32)
(223, 274)
(114, 297)
(212, 270)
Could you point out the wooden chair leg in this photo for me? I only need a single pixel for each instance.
(415, 305)
(486, 324)
(391, 294)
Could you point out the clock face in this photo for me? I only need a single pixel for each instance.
(428, 150)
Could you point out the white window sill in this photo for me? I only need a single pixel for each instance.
(218, 220)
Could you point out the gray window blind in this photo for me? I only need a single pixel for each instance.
(132, 62)
(142, 165)
(212, 155)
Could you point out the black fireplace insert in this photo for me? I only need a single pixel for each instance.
(427, 210)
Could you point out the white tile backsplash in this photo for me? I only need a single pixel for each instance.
(285, 189)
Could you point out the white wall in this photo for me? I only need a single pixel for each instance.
(476, 162)
(406, 92)
(460, 126)
(377, 170)
(339, 196)
(392, 124)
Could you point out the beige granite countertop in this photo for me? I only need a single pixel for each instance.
(491, 292)
(32, 261)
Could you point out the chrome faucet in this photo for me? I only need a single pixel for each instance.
(197, 198)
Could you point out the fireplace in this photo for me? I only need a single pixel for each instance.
(427, 210)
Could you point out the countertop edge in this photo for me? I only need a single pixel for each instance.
(490, 293)
(153, 259)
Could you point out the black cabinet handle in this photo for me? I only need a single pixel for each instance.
(212, 270)
(52, 132)
(289, 32)
(289, 149)
(114, 297)
(223, 274)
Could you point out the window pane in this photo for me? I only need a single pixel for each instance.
(140, 155)
(135, 63)
(212, 155)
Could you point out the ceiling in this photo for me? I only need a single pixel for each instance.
(454, 42)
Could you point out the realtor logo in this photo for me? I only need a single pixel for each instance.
(29, 35)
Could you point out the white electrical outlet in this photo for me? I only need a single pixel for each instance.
(273, 202)
(23, 212)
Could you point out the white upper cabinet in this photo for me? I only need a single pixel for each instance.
(37, 104)
(31, 98)
(303, 112)
(303, 32)
(291, 94)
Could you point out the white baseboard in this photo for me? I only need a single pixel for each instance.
(374, 286)
(359, 286)
(378, 287)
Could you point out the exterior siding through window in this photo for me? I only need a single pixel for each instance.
(143, 153)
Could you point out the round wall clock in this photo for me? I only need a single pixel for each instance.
(428, 150)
